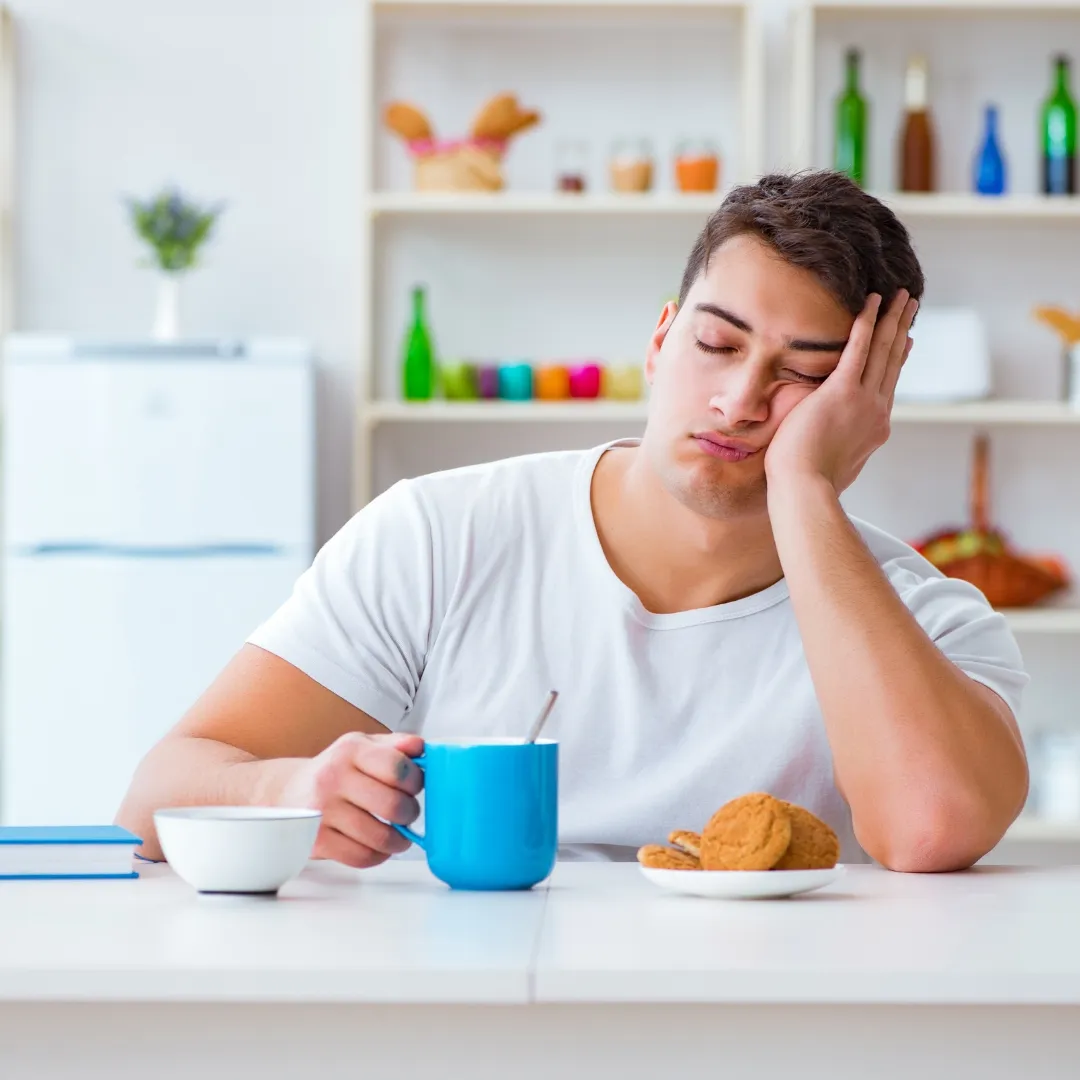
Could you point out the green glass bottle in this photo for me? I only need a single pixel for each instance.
(418, 362)
(1059, 135)
(849, 154)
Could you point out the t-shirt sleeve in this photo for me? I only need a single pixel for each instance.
(359, 621)
(961, 622)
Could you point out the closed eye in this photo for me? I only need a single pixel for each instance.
(814, 380)
(716, 350)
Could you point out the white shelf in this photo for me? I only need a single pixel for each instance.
(386, 203)
(993, 412)
(479, 412)
(1044, 620)
(1034, 830)
(910, 207)
(662, 6)
(943, 7)
(978, 412)
(962, 205)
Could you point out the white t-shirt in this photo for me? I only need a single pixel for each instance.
(452, 603)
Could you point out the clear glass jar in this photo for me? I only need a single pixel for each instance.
(697, 165)
(571, 165)
(631, 165)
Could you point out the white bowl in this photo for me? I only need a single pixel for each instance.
(237, 849)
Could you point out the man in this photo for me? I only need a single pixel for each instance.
(713, 620)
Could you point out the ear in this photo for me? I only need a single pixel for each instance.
(667, 317)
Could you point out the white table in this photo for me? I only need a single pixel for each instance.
(597, 973)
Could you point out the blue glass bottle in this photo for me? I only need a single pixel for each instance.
(989, 162)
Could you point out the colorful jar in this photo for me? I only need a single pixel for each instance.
(585, 380)
(623, 382)
(459, 382)
(516, 381)
(697, 166)
(487, 378)
(552, 382)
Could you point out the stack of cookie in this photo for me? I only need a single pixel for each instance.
(752, 832)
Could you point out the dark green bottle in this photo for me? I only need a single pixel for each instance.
(849, 155)
(418, 362)
(1059, 135)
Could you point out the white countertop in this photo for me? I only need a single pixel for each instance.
(593, 933)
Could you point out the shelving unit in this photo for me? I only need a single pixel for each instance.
(809, 17)
(390, 211)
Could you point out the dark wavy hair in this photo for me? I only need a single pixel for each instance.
(822, 222)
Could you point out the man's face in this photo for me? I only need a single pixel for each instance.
(754, 337)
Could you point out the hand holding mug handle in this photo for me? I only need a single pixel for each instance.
(405, 831)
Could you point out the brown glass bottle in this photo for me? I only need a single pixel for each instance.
(917, 135)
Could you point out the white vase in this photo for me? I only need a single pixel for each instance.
(167, 315)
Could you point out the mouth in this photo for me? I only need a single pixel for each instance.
(724, 449)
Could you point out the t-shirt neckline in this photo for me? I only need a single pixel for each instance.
(769, 597)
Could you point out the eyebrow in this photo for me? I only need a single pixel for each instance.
(798, 344)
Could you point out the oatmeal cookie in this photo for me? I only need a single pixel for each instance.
(813, 845)
(666, 858)
(751, 832)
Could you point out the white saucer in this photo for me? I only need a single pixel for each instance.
(741, 884)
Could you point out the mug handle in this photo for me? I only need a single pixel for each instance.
(405, 831)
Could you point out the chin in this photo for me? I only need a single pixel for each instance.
(715, 496)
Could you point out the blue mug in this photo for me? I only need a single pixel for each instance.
(490, 812)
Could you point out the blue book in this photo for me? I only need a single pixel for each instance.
(66, 851)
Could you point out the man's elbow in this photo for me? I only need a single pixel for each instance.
(940, 837)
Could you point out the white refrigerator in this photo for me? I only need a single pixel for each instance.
(158, 504)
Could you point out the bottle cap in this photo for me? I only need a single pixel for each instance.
(916, 94)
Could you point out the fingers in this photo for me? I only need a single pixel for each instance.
(332, 844)
(359, 826)
(889, 337)
(853, 359)
(388, 803)
(900, 349)
(903, 361)
(380, 757)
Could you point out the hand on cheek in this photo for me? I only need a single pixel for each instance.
(832, 432)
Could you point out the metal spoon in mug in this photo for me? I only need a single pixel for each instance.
(545, 712)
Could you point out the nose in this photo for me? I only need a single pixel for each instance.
(741, 396)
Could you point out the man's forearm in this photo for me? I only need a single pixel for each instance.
(186, 771)
(928, 760)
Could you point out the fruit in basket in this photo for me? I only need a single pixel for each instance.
(983, 556)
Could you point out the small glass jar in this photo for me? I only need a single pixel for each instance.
(697, 165)
(623, 382)
(552, 382)
(631, 166)
(487, 379)
(459, 382)
(571, 166)
(585, 380)
(516, 381)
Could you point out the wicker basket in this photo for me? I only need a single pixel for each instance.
(1006, 578)
(465, 165)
